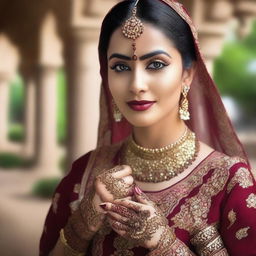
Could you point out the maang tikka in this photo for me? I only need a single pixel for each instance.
(133, 29)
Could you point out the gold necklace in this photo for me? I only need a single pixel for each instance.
(160, 164)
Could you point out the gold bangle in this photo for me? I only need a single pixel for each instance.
(68, 251)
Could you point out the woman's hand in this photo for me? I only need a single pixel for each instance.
(142, 221)
(113, 184)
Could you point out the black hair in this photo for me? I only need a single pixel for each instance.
(154, 12)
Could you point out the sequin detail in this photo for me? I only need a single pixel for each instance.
(55, 202)
(242, 233)
(193, 214)
(251, 201)
(77, 188)
(242, 177)
(231, 218)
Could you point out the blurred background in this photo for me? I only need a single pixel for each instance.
(49, 94)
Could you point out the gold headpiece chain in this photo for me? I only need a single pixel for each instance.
(133, 29)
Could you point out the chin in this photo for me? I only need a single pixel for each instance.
(141, 121)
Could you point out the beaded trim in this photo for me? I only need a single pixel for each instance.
(162, 164)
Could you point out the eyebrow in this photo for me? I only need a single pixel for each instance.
(143, 57)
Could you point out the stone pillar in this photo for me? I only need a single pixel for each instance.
(245, 11)
(30, 110)
(83, 89)
(4, 110)
(213, 30)
(46, 119)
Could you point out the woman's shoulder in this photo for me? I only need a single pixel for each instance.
(102, 153)
(219, 163)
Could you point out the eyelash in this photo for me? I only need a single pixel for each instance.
(127, 68)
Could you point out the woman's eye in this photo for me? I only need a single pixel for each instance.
(156, 65)
(120, 68)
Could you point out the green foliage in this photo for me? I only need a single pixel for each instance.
(61, 107)
(17, 106)
(234, 75)
(16, 133)
(45, 188)
(10, 161)
(17, 101)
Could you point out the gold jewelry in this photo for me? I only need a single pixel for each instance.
(78, 228)
(116, 186)
(203, 237)
(183, 111)
(116, 112)
(133, 29)
(208, 241)
(68, 251)
(162, 164)
(166, 240)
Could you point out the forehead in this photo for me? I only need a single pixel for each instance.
(152, 39)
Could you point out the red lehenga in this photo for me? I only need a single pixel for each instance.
(220, 191)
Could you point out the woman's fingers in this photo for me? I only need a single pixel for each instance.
(141, 197)
(118, 227)
(123, 171)
(119, 209)
(128, 180)
(117, 217)
(135, 206)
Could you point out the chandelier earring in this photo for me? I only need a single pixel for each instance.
(116, 112)
(183, 110)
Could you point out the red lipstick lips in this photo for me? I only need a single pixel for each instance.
(141, 105)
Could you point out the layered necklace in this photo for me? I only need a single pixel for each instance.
(160, 164)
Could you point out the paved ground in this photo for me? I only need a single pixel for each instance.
(22, 216)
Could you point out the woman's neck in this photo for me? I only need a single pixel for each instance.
(159, 135)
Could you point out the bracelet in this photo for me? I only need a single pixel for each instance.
(78, 230)
(208, 241)
(68, 251)
(167, 239)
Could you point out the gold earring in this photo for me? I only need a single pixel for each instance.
(116, 113)
(183, 111)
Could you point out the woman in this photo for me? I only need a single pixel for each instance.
(199, 196)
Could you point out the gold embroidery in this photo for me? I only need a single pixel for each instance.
(55, 202)
(97, 246)
(242, 177)
(74, 205)
(123, 247)
(231, 218)
(77, 188)
(177, 248)
(194, 212)
(45, 229)
(167, 200)
(242, 233)
(251, 201)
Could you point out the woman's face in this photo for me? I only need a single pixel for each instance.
(146, 91)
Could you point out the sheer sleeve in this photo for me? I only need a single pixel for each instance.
(59, 212)
(238, 220)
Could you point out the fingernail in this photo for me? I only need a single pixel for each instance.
(103, 206)
(137, 190)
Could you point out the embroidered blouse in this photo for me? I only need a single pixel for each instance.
(220, 191)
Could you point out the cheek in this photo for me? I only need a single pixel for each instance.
(116, 86)
(168, 85)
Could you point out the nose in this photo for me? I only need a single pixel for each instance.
(138, 82)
